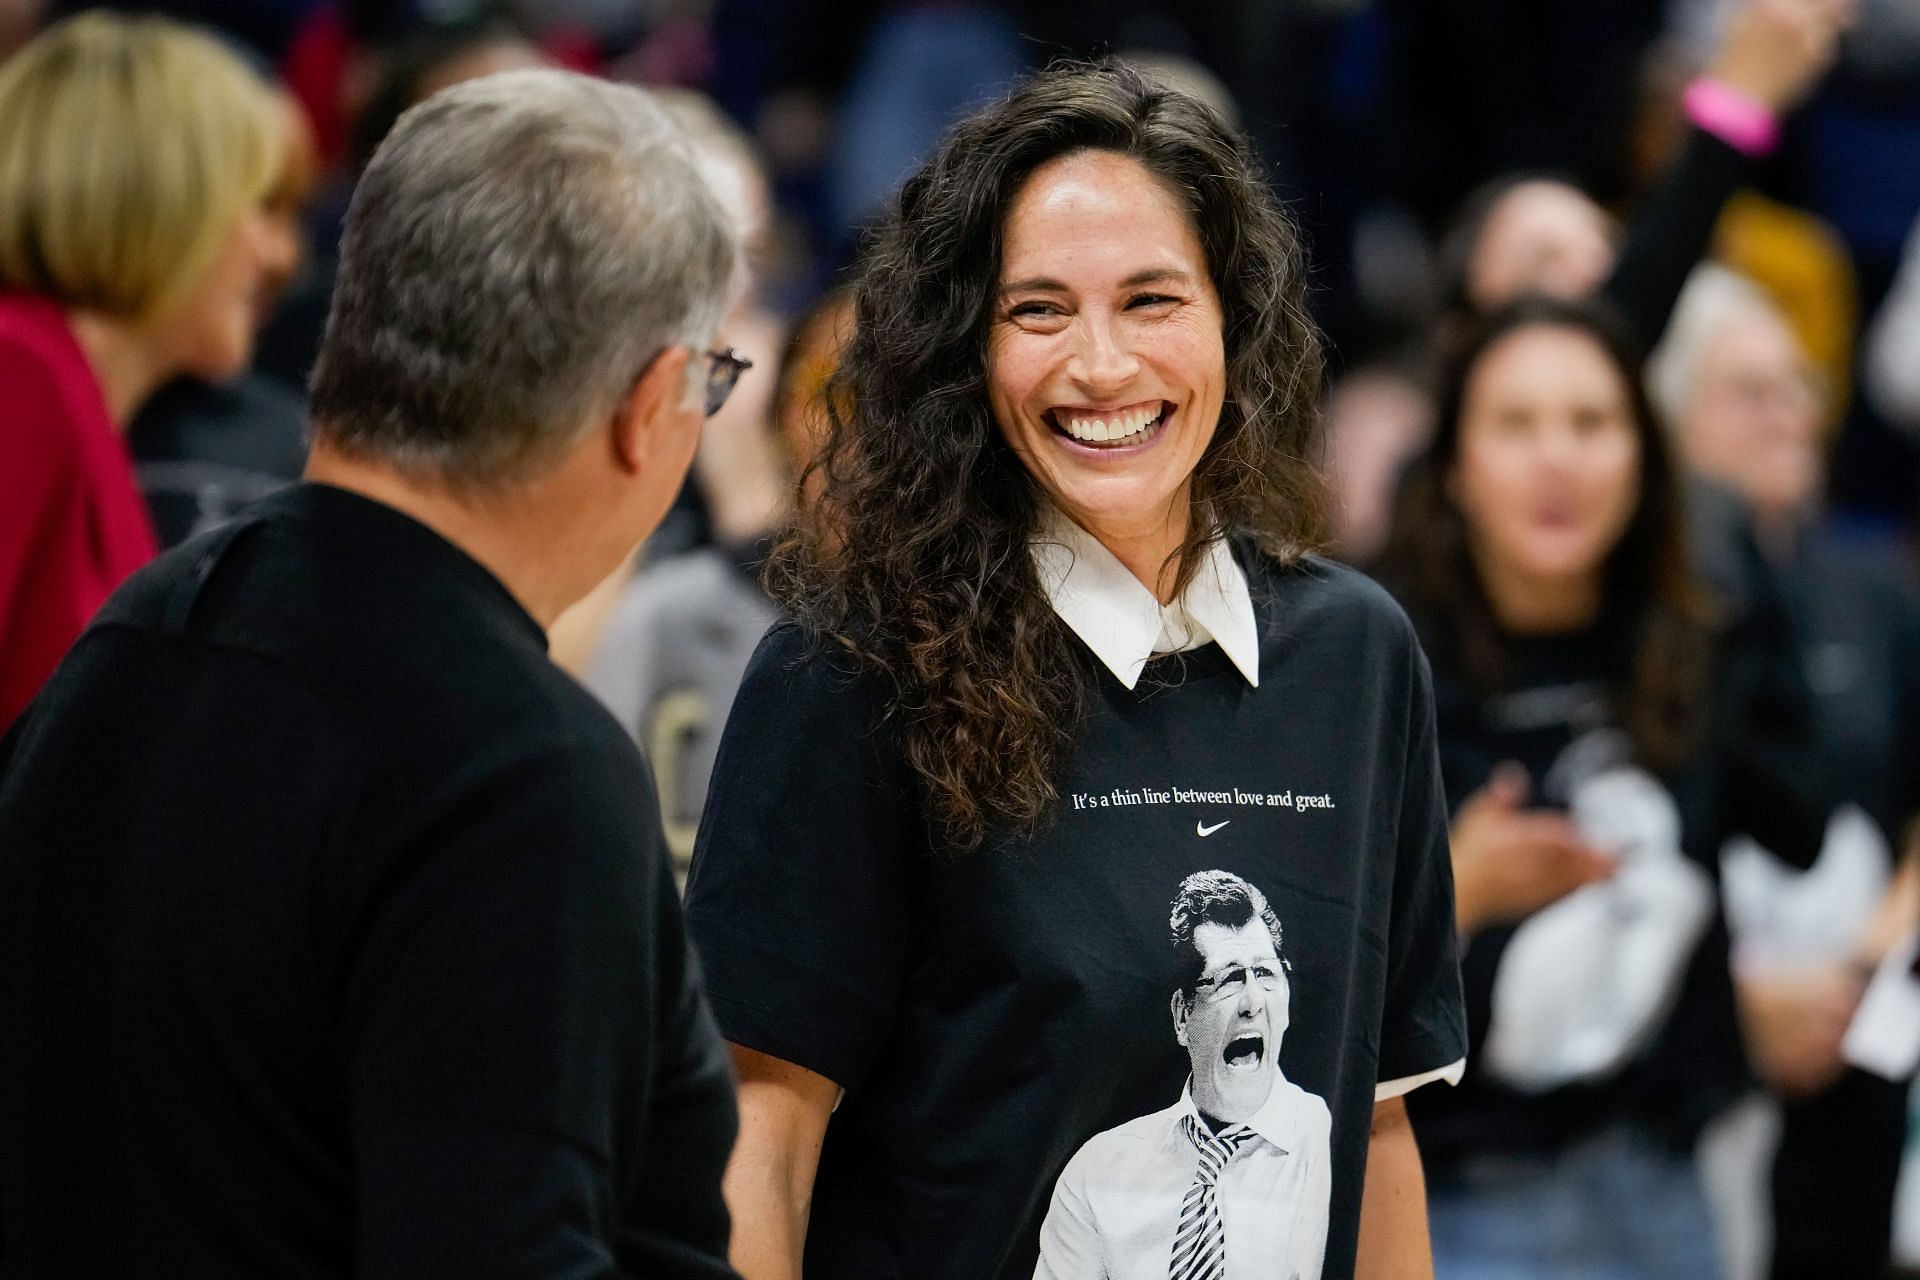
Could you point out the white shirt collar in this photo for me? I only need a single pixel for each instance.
(1122, 622)
(1277, 1120)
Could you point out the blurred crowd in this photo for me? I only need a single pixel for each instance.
(1711, 206)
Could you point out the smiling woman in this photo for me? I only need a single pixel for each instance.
(1056, 625)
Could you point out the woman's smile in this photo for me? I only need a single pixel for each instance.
(1110, 431)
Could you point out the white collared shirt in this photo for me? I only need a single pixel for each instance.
(1124, 623)
(1116, 1207)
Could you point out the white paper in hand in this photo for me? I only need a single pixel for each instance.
(1884, 1037)
(1584, 985)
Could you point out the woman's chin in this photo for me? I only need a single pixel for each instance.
(1115, 502)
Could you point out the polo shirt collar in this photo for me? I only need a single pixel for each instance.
(1122, 622)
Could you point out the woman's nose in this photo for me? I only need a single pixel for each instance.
(1102, 361)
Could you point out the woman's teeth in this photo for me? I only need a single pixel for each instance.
(1130, 427)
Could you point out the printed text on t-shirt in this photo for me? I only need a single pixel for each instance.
(1120, 798)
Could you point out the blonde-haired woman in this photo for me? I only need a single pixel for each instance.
(136, 156)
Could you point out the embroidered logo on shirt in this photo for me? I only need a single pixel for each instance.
(1204, 830)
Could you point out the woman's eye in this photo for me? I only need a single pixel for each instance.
(1025, 309)
(1149, 300)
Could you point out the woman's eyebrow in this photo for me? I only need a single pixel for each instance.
(1033, 284)
(1156, 275)
(1148, 275)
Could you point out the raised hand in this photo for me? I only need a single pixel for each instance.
(1775, 50)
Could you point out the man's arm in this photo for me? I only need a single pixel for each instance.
(769, 1183)
(1393, 1206)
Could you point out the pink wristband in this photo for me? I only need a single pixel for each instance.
(1732, 117)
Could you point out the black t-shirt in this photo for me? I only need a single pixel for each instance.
(1752, 771)
(336, 937)
(991, 1014)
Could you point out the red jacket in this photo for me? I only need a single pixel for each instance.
(72, 522)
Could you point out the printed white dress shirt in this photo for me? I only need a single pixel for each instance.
(1116, 1208)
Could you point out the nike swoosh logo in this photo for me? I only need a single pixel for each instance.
(1206, 830)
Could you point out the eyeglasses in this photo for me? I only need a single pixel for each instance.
(723, 375)
(1229, 983)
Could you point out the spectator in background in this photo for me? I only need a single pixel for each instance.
(736, 488)
(1893, 345)
(680, 635)
(19, 19)
(1378, 418)
(1530, 233)
(136, 157)
(202, 450)
(387, 77)
(1747, 407)
(1539, 547)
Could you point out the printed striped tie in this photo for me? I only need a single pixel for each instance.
(1200, 1245)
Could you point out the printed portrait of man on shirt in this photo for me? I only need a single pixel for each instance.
(1233, 1179)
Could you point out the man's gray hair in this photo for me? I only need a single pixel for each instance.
(516, 252)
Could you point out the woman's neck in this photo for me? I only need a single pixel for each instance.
(122, 358)
(1148, 547)
(1536, 604)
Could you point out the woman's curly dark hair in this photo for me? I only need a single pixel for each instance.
(914, 556)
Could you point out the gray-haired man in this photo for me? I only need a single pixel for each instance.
(335, 932)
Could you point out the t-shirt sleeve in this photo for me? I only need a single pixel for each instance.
(797, 900)
(503, 1023)
(1423, 1024)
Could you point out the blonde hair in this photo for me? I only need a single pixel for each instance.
(128, 146)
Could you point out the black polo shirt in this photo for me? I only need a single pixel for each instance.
(336, 936)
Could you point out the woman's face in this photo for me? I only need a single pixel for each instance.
(209, 333)
(1752, 418)
(1548, 463)
(1106, 367)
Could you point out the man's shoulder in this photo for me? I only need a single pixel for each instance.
(1310, 1110)
(1124, 1139)
(415, 669)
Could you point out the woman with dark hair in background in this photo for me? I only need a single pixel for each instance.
(1539, 547)
(1075, 777)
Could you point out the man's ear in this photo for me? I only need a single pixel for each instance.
(1180, 1018)
(657, 397)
